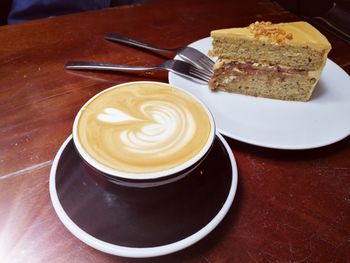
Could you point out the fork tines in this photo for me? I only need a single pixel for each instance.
(200, 73)
(206, 63)
(197, 58)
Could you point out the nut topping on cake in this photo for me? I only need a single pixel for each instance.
(269, 31)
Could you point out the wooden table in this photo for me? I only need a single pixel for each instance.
(290, 206)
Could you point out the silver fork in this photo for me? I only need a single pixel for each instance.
(176, 66)
(189, 54)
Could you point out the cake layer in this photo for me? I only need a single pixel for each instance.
(265, 80)
(298, 45)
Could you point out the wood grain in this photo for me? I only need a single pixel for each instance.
(291, 206)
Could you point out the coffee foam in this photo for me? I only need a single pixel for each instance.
(143, 128)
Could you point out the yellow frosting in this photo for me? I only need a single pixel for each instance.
(303, 34)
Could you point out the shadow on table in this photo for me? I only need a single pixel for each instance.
(290, 155)
(330, 15)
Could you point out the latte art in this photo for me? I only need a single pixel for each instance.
(143, 128)
(113, 115)
(165, 129)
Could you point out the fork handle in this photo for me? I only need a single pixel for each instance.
(132, 42)
(89, 65)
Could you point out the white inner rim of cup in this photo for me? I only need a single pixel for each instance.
(143, 176)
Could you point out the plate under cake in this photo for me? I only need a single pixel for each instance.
(280, 124)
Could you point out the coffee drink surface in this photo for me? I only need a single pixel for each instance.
(143, 127)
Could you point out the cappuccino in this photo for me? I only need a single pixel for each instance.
(142, 128)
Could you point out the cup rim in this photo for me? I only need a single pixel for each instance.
(150, 175)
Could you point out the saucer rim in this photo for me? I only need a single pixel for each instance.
(143, 252)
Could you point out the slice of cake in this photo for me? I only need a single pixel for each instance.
(280, 61)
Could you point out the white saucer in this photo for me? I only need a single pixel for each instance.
(134, 222)
(275, 123)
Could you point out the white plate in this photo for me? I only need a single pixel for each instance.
(323, 120)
